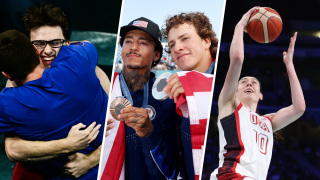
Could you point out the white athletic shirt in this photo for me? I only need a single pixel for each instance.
(246, 141)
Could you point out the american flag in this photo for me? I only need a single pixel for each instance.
(140, 23)
(195, 105)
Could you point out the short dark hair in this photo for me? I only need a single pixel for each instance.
(45, 15)
(18, 57)
(200, 21)
(158, 47)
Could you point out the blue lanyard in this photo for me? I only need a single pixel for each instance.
(209, 71)
(126, 92)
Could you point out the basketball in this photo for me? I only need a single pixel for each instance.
(265, 25)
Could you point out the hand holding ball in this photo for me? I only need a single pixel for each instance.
(265, 25)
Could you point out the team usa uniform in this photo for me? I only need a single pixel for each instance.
(246, 141)
(172, 147)
(152, 157)
(45, 109)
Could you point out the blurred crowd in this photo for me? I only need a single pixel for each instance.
(163, 65)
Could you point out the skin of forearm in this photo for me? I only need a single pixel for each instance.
(291, 113)
(34, 150)
(104, 80)
(94, 157)
(236, 48)
(298, 101)
(44, 158)
(233, 74)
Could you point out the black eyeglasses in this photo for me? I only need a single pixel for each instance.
(56, 43)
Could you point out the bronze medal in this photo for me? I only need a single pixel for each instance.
(117, 105)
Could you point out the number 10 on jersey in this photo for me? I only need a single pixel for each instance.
(262, 142)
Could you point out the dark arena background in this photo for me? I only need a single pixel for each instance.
(94, 20)
(298, 155)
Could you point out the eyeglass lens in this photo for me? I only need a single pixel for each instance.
(54, 43)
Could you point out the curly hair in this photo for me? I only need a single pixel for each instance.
(45, 15)
(200, 22)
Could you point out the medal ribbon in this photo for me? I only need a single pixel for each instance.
(209, 71)
(126, 92)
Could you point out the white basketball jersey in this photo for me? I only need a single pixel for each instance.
(246, 141)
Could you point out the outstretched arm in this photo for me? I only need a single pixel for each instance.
(289, 114)
(18, 149)
(227, 95)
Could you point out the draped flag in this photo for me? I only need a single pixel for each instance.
(112, 161)
(195, 105)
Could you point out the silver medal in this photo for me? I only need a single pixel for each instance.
(159, 84)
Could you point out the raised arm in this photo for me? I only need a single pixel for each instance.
(291, 113)
(104, 80)
(18, 149)
(227, 95)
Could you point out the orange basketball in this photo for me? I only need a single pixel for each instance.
(265, 25)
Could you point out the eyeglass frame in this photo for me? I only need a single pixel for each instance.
(61, 40)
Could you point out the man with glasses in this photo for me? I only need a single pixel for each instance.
(48, 34)
(41, 45)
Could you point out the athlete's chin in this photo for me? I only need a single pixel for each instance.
(185, 67)
(133, 66)
(250, 98)
(47, 65)
(185, 64)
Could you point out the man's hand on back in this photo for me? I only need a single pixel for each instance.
(78, 139)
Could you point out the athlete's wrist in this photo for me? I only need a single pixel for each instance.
(288, 64)
(145, 132)
(65, 145)
(241, 26)
(91, 161)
